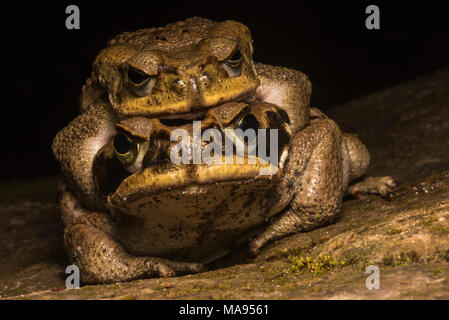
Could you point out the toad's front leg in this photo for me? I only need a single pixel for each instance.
(89, 240)
(287, 88)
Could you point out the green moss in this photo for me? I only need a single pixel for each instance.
(285, 252)
(437, 271)
(224, 286)
(316, 266)
(388, 260)
(393, 231)
(428, 221)
(338, 245)
(198, 288)
(401, 259)
(413, 255)
(359, 255)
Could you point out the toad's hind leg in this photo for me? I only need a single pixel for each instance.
(383, 186)
(356, 159)
(314, 173)
(90, 245)
(328, 160)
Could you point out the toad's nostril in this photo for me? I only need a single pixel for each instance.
(178, 85)
(206, 79)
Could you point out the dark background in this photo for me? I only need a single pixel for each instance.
(45, 65)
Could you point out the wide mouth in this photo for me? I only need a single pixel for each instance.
(188, 107)
(174, 119)
(235, 143)
(182, 119)
(153, 181)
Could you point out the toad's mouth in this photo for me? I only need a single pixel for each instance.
(183, 118)
(155, 180)
(236, 144)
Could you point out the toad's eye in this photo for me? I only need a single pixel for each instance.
(129, 153)
(233, 65)
(235, 60)
(122, 144)
(137, 78)
(125, 150)
(248, 126)
(141, 84)
(248, 122)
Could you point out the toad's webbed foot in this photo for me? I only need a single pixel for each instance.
(383, 186)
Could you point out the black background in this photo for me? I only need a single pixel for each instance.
(44, 64)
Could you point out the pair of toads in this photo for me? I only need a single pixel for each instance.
(131, 212)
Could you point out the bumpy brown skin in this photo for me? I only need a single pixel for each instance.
(317, 173)
(286, 88)
(307, 194)
(110, 245)
(187, 60)
(91, 243)
(75, 147)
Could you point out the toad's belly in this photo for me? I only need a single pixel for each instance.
(198, 223)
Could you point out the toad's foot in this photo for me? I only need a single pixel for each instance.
(101, 259)
(167, 268)
(373, 185)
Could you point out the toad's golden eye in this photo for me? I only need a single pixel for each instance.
(235, 60)
(141, 84)
(233, 65)
(248, 122)
(125, 150)
(130, 153)
(245, 133)
(137, 78)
